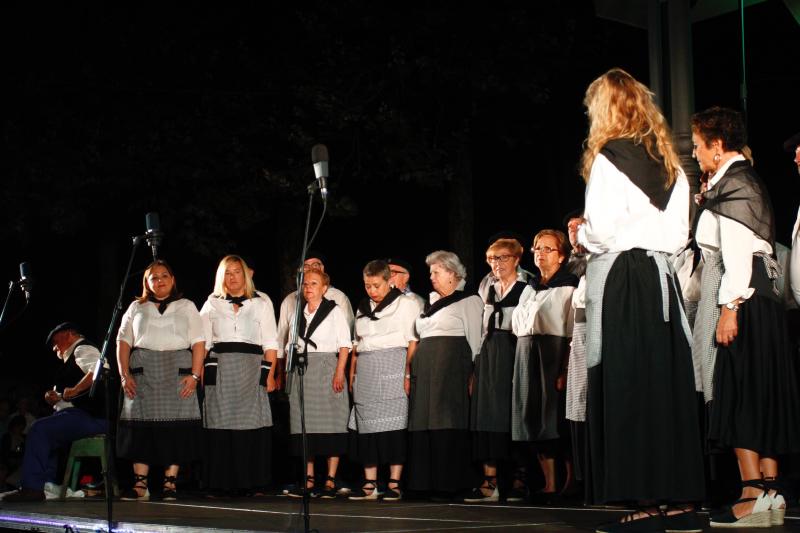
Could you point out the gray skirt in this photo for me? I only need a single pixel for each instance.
(158, 378)
(534, 404)
(440, 371)
(379, 399)
(325, 411)
(235, 398)
(491, 390)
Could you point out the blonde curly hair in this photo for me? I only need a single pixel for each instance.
(619, 107)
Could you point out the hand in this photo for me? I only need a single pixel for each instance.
(470, 381)
(338, 381)
(52, 397)
(350, 382)
(727, 327)
(407, 386)
(129, 386)
(189, 386)
(561, 382)
(280, 379)
(271, 386)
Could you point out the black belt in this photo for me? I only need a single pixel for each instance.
(237, 347)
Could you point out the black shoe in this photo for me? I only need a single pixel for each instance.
(392, 494)
(329, 493)
(132, 495)
(25, 496)
(169, 494)
(654, 523)
(297, 491)
(685, 522)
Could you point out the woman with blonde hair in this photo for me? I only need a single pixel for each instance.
(239, 372)
(643, 433)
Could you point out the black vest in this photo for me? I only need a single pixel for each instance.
(69, 374)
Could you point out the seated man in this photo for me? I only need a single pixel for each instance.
(76, 414)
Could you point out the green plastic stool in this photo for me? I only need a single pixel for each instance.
(81, 449)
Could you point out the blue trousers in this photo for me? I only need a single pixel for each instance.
(49, 434)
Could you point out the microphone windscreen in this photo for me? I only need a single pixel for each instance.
(151, 222)
(25, 271)
(319, 152)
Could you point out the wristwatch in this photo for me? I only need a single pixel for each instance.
(733, 306)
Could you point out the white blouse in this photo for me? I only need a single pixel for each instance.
(579, 295)
(179, 328)
(395, 326)
(488, 308)
(794, 261)
(736, 242)
(254, 323)
(546, 312)
(461, 319)
(331, 335)
(287, 314)
(620, 217)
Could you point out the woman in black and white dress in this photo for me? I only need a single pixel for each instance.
(749, 369)
(438, 421)
(160, 350)
(490, 409)
(542, 322)
(385, 340)
(324, 338)
(643, 432)
(238, 374)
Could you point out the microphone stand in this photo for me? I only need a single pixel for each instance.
(301, 362)
(11, 285)
(101, 373)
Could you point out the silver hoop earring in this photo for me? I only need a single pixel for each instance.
(716, 158)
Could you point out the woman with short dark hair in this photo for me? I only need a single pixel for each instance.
(385, 340)
(740, 337)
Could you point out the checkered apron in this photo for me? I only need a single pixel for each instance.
(158, 378)
(325, 411)
(379, 399)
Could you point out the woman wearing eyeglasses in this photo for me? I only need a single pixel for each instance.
(643, 432)
(490, 412)
(160, 350)
(543, 324)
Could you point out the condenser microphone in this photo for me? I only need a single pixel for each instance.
(26, 279)
(319, 156)
(153, 235)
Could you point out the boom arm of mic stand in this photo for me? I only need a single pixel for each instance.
(99, 369)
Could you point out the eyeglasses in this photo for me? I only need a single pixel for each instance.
(396, 272)
(498, 258)
(543, 249)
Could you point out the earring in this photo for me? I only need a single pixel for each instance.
(716, 158)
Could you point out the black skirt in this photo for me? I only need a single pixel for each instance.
(160, 443)
(756, 403)
(323, 444)
(439, 460)
(384, 447)
(642, 421)
(237, 458)
(491, 446)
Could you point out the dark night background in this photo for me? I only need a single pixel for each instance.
(444, 124)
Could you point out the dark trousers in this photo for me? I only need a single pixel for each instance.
(49, 434)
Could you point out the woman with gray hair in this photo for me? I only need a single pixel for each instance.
(438, 377)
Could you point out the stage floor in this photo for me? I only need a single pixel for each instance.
(283, 514)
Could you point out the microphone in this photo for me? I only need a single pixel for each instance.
(26, 279)
(153, 235)
(319, 156)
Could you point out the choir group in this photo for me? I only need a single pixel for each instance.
(590, 361)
